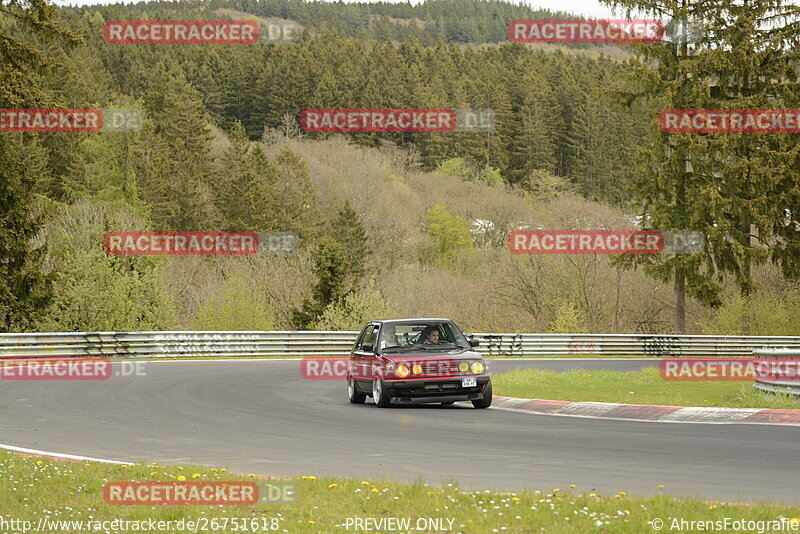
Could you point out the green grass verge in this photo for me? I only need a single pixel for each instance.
(33, 487)
(645, 387)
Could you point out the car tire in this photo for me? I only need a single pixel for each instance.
(355, 396)
(382, 400)
(486, 401)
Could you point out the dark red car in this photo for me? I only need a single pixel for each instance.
(415, 361)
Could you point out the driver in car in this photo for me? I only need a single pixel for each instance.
(432, 337)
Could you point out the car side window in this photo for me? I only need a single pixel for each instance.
(362, 336)
(371, 337)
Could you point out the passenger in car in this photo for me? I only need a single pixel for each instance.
(389, 337)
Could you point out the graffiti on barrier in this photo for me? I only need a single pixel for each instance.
(508, 345)
(581, 348)
(661, 346)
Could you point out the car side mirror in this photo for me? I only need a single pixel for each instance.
(367, 347)
(474, 342)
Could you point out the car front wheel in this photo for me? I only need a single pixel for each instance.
(355, 396)
(486, 401)
(379, 394)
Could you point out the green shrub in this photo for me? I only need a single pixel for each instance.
(490, 176)
(455, 167)
(765, 315)
(569, 319)
(450, 232)
(236, 307)
(355, 309)
(95, 292)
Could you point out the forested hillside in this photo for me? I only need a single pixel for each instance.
(429, 22)
(405, 224)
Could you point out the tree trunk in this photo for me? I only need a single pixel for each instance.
(680, 301)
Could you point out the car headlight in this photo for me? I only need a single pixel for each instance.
(401, 370)
(463, 367)
(417, 369)
(478, 367)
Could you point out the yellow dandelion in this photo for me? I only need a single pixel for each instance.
(556, 490)
(180, 468)
(572, 486)
(153, 473)
(622, 493)
(514, 498)
(251, 475)
(196, 475)
(660, 486)
(592, 495)
(223, 470)
(214, 470)
(39, 462)
(181, 478)
(308, 477)
(794, 520)
(333, 485)
(364, 482)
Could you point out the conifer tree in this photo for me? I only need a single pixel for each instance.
(29, 26)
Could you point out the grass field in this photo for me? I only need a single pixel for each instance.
(645, 387)
(32, 487)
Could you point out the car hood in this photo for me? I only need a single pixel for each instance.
(421, 355)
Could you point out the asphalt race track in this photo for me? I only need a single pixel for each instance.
(260, 416)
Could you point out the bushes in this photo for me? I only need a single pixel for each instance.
(756, 315)
(356, 309)
(237, 306)
(95, 292)
(460, 168)
(569, 319)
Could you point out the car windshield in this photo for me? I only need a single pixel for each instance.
(422, 335)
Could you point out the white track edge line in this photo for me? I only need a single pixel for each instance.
(62, 455)
(633, 420)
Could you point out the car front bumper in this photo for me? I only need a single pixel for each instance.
(434, 390)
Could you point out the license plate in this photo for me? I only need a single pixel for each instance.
(469, 382)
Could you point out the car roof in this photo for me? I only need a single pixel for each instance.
(392, 321)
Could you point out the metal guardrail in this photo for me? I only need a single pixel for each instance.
(324, 343)
(772, 385)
